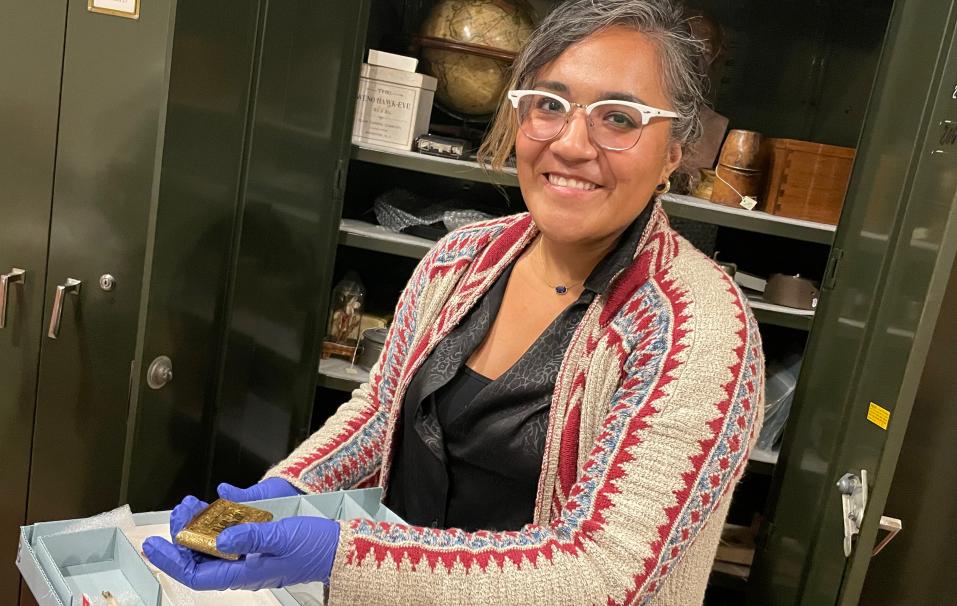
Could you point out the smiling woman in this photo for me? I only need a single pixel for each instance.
(624, 178)
(566, 397)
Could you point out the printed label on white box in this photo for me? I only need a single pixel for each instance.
(385, 113)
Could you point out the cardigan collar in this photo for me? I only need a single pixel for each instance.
(621, 256)
(473, 259)
(646, 247)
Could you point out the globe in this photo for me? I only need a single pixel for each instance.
(468, 45)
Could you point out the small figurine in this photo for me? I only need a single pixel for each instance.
(345, 317)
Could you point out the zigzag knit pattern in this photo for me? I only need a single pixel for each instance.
(657, 403)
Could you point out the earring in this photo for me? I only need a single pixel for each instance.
(663, 188)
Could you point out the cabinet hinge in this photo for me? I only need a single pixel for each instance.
(339, 185)
(129, 386)
(833, 264)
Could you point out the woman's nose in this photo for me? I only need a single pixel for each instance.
(574, 143)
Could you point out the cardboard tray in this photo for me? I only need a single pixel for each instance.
(59, 566)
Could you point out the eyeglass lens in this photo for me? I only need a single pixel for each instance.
(611, 126)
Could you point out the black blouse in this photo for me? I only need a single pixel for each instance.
(468, 450)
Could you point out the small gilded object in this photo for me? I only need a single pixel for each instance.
(200, 534)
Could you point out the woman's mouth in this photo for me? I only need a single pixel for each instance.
(570, 183)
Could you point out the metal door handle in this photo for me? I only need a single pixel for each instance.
(853, 491)
(71, 287)
(160, 373)
(16, 276)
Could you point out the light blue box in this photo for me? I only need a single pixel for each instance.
(93, 561)
(58, 565)
(369, 501)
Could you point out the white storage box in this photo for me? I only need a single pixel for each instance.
(401, 62)
(393, 107)
(59, 565)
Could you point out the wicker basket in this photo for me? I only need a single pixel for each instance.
(807, 180)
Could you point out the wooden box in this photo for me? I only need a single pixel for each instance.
(807, 180)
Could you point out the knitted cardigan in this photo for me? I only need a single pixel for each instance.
(658, 400)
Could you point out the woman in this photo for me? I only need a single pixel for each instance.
(567, 397)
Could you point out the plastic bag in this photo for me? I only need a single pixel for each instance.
(121, 518)
(400, 210)
(782, 376)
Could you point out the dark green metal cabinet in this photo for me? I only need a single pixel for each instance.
(29, 96)
(111, 102)
(891, 262)
(185, 154)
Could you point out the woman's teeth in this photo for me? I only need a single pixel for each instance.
(559, 181)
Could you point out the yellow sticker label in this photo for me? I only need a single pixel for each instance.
(878, 415)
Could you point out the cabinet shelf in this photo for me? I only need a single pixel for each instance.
(686, 207)
(359, 234)
(779, 315)
(341, 375)
(433, 165)
(763, 461)
(697, 209)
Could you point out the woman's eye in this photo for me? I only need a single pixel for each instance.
(550, 105)
(620, 120)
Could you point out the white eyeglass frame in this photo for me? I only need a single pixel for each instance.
(647, 112)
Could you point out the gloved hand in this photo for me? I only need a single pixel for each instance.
(270, 488)
(291, 551)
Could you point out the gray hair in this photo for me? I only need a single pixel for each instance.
(574, 20)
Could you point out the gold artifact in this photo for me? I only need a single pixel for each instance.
(200, 534)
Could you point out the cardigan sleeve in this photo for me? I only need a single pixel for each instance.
(346, 452)
(673, 444)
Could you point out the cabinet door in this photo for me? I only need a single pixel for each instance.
(291, 202)
(190, 255)
(31, 60)
(110, 114)
(893, 253)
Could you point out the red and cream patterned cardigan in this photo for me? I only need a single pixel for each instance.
(658, 400)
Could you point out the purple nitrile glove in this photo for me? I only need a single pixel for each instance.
(291, 551)
(270, 488)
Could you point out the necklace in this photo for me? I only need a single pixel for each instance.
(560, 289)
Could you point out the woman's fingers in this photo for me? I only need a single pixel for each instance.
(168, 558)
(236, 494)
(211, 574)
(183, 514)
(268, 538)
(269, 488)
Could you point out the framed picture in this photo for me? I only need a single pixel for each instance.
(119, 8)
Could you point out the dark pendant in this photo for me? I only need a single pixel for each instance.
(561, 289)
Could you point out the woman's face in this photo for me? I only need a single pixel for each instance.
(617, 63)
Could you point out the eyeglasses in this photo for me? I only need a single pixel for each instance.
(613, 125)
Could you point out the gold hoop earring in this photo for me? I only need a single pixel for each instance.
(663, 188)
